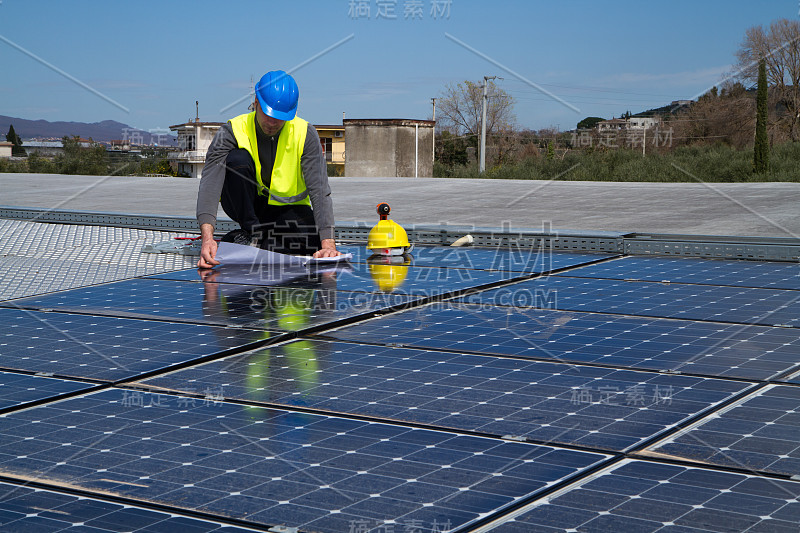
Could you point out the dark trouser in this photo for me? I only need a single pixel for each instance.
(286, 229)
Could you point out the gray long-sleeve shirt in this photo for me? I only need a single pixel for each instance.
(312, 164)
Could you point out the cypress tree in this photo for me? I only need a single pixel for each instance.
(13, 138)
(761, 149)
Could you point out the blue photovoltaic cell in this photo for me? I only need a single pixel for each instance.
(758, 433)
(792, 378)
(547, 402)
(758, 274)
(278, 309)
(26, 509)
(272, 467)
(648, 497)
(671, 300)
(376, 278)
(529, 260)
(18, 389)
(723, 350)
(104, 348)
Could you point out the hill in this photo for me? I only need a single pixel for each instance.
(105, 131)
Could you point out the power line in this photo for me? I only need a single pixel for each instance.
(600, 89)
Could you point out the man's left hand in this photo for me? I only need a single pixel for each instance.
(328, 249)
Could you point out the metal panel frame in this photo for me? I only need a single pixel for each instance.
(710, 247)
(720, 247)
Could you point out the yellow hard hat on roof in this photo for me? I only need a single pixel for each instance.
(387, 237)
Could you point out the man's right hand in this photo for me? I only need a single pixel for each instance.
(208, 247)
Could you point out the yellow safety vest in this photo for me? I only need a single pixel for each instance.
(287, 185)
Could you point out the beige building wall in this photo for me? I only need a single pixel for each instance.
(389, 148)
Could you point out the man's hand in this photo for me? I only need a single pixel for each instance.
(328, 249)
(208, 247)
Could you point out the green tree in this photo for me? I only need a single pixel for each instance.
(78, 159)
(451, 150)
(761, 148)
(17, 150)
(589, 123)
(40, 165)
(779, 47)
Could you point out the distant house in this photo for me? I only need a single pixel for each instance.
(194, 138)
(43, 148)
(5, 149)
(120, 146)
(332, 139)
(615, 124)
(631, 123)
(643, 123)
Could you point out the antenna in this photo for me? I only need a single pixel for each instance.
(197, 111)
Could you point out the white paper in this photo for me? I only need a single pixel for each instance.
(229, 253)
(339, 258)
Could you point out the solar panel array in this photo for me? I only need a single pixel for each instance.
(463, 389)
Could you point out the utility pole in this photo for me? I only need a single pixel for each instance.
(433, 146)
(486, 79)
(644, 139)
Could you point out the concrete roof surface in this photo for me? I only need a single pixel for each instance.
(741, 209)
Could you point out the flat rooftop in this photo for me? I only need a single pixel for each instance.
(742, 209)
(570, 380)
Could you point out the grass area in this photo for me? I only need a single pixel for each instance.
(685, 164)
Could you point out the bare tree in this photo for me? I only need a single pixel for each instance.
(779, 47)
(461, 105)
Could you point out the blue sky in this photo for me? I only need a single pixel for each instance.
(155, 58)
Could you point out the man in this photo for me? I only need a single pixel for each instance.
(267, 170)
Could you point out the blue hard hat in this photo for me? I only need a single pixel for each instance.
(277, 93)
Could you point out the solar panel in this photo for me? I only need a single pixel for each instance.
(793, 378)
(19, 389)
(24, 508)
(759, 274)
(546, 402)
(758, 433)
(513, 258)
(103, 348)
(696, 302)
(723, 350)
(645, 496)
(268, 466)
(378, 278)
(28, 276)
(448, 416)
(279, 309)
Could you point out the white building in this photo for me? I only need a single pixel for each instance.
(44, 148)
(625, 124)
(5, 149)
(615, 124)
(643, 123)
(194, 139)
